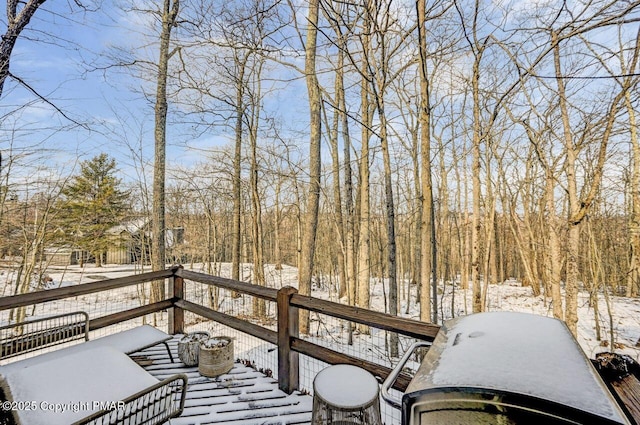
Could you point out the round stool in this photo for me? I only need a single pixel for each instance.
(345, 395)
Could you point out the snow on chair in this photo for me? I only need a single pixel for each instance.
(90, 385)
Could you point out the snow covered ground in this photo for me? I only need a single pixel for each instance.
(622, 313)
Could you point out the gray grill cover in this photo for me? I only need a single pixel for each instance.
(516, 353)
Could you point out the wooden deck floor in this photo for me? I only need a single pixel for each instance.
(244, 396)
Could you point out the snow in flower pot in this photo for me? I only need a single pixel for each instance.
(189, 347)
(216, 356)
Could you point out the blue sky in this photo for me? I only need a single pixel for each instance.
(104, 112)
(48, 57)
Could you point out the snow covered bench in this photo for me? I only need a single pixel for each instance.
(134, 339)
(34, 334)
(91, 385)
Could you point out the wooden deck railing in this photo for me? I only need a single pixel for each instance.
(287, 336)
(38, 297)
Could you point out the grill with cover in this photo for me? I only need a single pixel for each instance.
(506, 368)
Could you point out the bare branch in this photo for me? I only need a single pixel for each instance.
(48, 102)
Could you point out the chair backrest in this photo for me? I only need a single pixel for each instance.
(35, 334)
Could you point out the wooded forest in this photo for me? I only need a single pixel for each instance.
(424, 142)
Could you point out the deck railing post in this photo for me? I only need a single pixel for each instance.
(288, 364)
(176, 314)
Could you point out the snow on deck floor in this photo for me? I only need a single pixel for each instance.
(244, 396)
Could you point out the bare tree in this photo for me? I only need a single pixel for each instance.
(240, 61)
(633, 276)
(550, 162)
(344, 258)
(380, 74)
(315, 127)
(428, 246)
(259, 305)
(362, 294)
(628, 59)
(169, 15)
(478, 48)
(35, 220)
(580, 200)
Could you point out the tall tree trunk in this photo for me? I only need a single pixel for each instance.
(350, 260)
(277, 254)
(633, 275)
(445, 241)
(364, 242)
(236, 232)
(573, 222)
(169, 16)
(313, 199)
(477, 191)
(259, 305)
(553, 255)
(379, 67)
(427, 225)
(337, 187)
(489, 253)
(415, 254)
(390, 215)
(532, 260)
(553, 258)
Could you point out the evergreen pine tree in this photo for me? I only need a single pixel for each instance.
(93, 203)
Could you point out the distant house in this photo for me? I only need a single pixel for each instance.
(65, 256)
(128, 242)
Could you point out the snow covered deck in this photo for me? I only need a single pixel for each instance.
(244, 396)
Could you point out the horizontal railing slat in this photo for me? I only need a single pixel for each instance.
(231, 321)
(30, 298)
(269, 294)
(330, 356)
(387, 322)
(132, 313)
